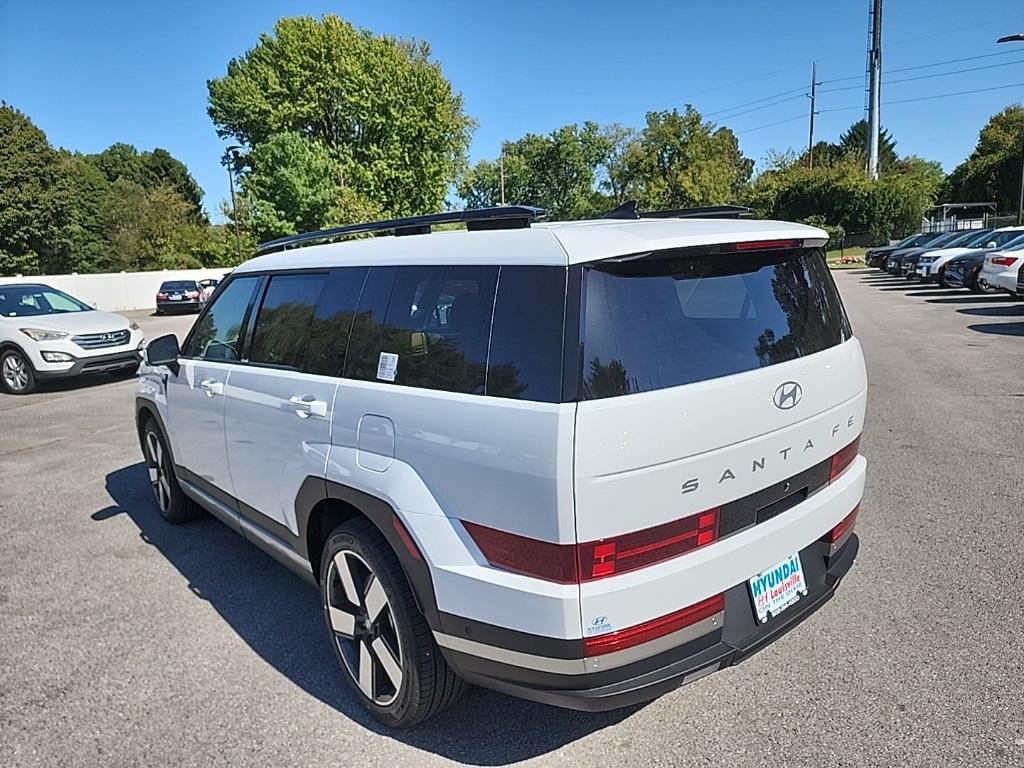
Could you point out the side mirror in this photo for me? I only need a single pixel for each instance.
(992, 245)
(163, 350)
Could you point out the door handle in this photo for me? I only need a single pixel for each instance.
(212, 387)
(307, 405)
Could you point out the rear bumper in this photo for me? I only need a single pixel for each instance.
(179, 306)
(114, 361)
(736, 638)
(1005, 280)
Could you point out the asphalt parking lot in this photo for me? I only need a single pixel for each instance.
(127, 641)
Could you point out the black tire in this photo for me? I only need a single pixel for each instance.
(426, 683)
(174, 506)
(942, 277)
(977, 285)
(17, 376)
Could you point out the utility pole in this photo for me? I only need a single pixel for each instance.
(1019, 38)
(874, 87)
(810, 128)
(230, 156)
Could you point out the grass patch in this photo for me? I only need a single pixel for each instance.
(849, 258)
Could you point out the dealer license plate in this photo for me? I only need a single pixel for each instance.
(774, 590)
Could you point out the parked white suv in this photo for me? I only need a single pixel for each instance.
(582, 463)
(47, 334)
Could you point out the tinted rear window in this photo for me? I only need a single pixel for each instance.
(424, 327)
(672, 319)
(178, 285)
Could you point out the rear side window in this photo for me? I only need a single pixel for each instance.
(525, 360)
(332, 323)
(433, 331)
(219, 332)
(283, 323)
(672, 319)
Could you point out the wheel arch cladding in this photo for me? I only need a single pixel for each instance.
(323, 505)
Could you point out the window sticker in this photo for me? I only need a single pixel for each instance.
(387, 366)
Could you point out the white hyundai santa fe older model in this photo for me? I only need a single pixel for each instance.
(583, 463)
(47, 334)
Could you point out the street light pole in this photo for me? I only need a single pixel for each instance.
(1019, 38)
(229, 160)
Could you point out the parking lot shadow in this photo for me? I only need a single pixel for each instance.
(1000, 329)
(962, 297)
(1011, 310)
(279, 617)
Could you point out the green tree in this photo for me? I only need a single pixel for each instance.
(34, 198)
(853, 143)
(992, 171)
(150, 229)
(842, 195)
(150, 170)
(557, 172)
(679, 160)
(379, 106)
(86, 233)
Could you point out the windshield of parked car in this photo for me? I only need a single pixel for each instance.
(979, 239)
(32, 300)
(1003, 238)
(174, 286)
(960, 239)
(1016, 244)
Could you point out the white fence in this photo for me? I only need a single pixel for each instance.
(117, 292)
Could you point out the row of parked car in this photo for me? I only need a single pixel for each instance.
(983, 260)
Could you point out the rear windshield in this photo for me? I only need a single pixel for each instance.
(178, 285)
(672, 319)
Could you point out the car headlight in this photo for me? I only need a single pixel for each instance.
(41, 334)
(133, 325)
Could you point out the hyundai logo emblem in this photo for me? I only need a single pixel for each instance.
(787, 395)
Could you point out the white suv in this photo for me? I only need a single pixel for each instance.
(46, 334)
(582, 463)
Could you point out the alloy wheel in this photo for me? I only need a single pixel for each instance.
(364, 627)
(157, 466)
(15, 372)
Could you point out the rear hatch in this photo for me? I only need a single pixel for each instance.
(707, 378)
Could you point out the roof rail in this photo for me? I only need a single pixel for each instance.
(503, 217)
(630, 210)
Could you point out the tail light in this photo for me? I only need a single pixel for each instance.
(575, 563)
(766, 245)
(653, 629)
(161, 295)
(610, 557)
(520, 554)
(1004, 261)
(844, 526)
(843, 459)
(194, 294)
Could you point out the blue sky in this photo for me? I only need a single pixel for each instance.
(93, 73)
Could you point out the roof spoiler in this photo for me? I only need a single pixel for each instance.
(630, 210)
(500, 217)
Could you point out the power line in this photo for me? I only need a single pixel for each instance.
(778, 122)
(927, 77)
(907, 101)
(800, 95)
(801, 89)
(925, 66)
(958, 93)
